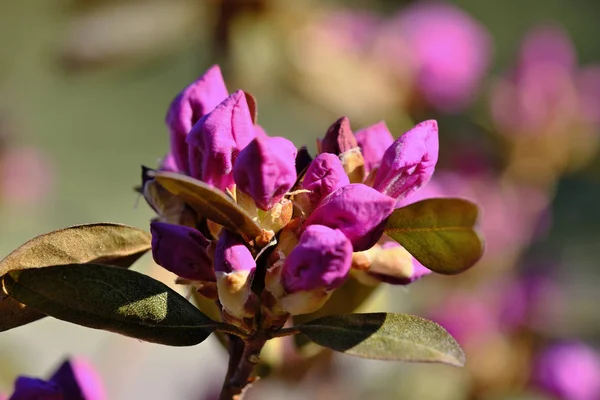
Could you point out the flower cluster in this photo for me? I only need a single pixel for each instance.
(74, 380)
(319, 218)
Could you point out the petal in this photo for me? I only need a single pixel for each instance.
(79, 380)
(231, 254)
(216, 140)
(339, 138)
(324, 176)
(169, 164)
(359, 211)
(321, 259)
(31, 388)
(409, 162)
(181, 250)
(373, 142)
(266, 170)
(195, 101)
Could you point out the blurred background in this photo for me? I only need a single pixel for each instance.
(515, 87)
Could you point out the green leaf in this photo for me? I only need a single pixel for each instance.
(102, 243)
(381, 336)
(440, 233)
(210, 203)
(113, 299)
(345, 299)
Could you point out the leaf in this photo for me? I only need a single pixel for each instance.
(345, 299)
(440, 233)
(113, 299)
(105, 243)
(211, 203)
(381, 336)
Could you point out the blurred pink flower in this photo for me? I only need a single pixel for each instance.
(569, 370)
(449, 51)
(546, 92)
(26, 176)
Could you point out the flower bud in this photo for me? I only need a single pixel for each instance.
(234, 268)
(216, 140)
(339, 138)
(182, 250)
(392, 263)
(373, 142)
(409, 162)
(79, 380)
(31, 388)
(325, 175)
(357, 210)
(265, 170)
(321, 259)
(195, 101)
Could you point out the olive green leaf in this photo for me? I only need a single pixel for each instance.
(101, 243)
(441, 233)
(345, 299)
(113, 299)
(381, 336)
(210, 203)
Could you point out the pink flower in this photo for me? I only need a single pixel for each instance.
(217, 138)
(409, 162)
(195, 101)
(266, 170)
(324, 176)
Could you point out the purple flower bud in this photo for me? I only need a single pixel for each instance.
(339, 138)
(216, 140)
(322, 259)
(570, 371)
(195, 101)
(79, 380)
(303, 159)
(324, 175)
(265, 170)
(231, 254)
(169, 164)
(409, 162)
(234, 267)
(181, 250)
(373, 142)
(359, 211)
(31, 388)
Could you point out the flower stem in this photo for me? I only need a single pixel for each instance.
(244, 355)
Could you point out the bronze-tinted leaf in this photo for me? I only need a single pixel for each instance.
(102, 243)
(112, 299)
(440, 233)
(210, 203)
(381, 336)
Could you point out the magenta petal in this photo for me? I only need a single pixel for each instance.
(373, 142)
(31, 388)
(231, 254)
(409, 162)
(195, 101)
(216, 140)
(359, 211)
(339, 138)
(324, 175)
(181, 250)
(79, 381)
(322, 259)
(266, 170)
